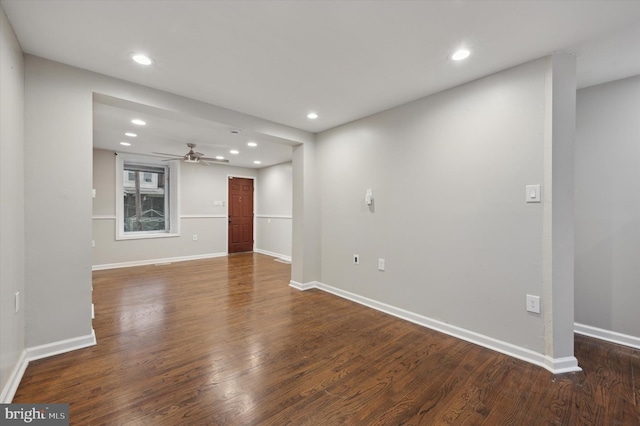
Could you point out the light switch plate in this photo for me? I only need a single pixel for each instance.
(533, 194)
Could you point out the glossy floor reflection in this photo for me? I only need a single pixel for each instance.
(226, 341)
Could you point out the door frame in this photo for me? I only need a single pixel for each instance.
(255, 197)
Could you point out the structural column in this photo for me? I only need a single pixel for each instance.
(558, 228)
(305, 268)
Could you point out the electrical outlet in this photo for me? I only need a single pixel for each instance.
(533, 304)
(380, 264)
(356, 259)
(195, 237)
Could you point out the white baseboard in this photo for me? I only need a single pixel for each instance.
(556, 366)
(273, 254)
(60, 347)
(39, 352)
(15, 377)
(608, 335)
(155, 261)
(305, 286)
(567, 364)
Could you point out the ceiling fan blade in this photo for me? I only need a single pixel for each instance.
(168, 155)
(213, 160)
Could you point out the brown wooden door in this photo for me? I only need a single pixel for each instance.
(240, 215)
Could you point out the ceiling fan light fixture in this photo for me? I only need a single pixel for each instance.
(192, 157)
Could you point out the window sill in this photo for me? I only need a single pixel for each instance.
(146, 236)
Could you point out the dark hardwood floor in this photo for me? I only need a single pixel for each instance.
(225, 341)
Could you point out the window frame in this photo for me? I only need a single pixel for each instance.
(171, 189)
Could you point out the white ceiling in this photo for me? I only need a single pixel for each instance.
(345, 60)
(166, 132)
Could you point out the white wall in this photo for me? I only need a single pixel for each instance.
(274, 210)
(12, 205)
(448, 174)
(199, 186)
(464, 250)
(58, 122)
(58, 128)
(608, 207)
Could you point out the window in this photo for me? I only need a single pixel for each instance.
(147, 199)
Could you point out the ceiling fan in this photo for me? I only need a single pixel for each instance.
(193, 156)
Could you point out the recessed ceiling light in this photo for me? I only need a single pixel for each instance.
(252, 144)
(142, 59)
(460, 55)
(233, 151)
(312, 116)
(138, 122)
(131, 135)
(257, 162)
(219, 157)
(125, 143)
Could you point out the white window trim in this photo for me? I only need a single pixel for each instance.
(174, 199)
